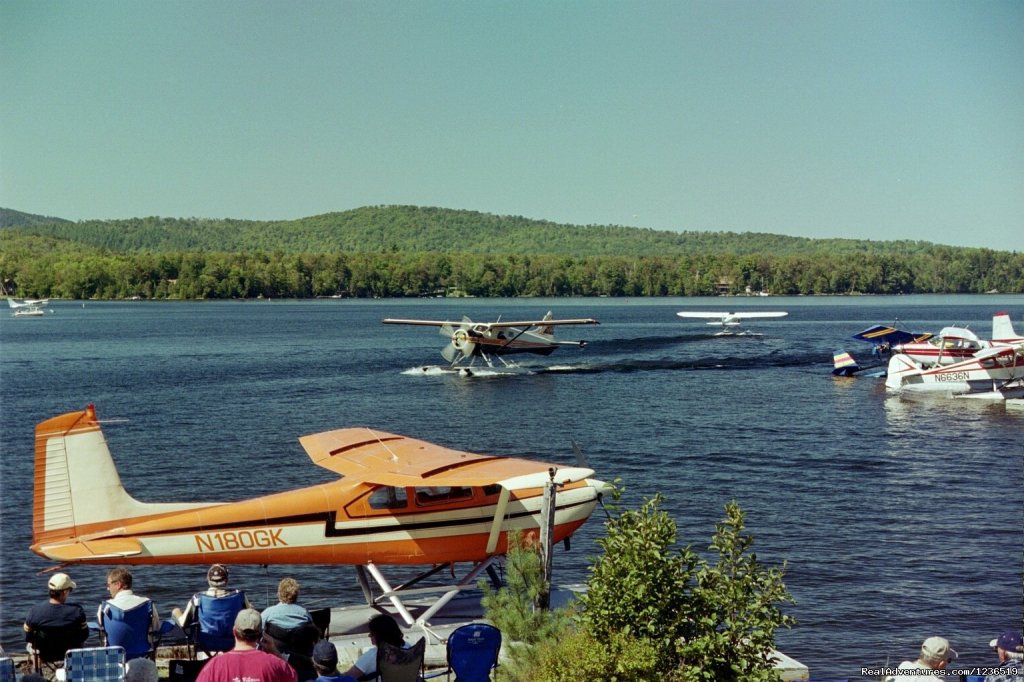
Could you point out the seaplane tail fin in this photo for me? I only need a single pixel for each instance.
(843, 364)
(547, 329)
(77, 489)
(1002, 329)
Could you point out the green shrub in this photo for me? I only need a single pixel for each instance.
(577, 655)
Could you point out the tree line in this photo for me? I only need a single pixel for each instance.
(36, 267)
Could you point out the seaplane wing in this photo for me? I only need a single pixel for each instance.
(28, 303)
(383, 458)
(881, 334)
(469, 340)
(729, 319)
(492, 325)
(400, 501)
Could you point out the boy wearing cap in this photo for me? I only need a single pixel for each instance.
(217, 580)
(936, 654)
(57, 616)
(1010, 648)
(325, 661)
(246, 661)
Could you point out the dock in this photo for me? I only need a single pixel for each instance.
(349, 634)
(348, 631)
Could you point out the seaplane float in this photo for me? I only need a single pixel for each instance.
(492, 341)
(398, 502)
(731, 323)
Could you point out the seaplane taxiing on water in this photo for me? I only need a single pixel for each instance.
(469, 340)
(398, 502)
(29, 307)
(731, 323)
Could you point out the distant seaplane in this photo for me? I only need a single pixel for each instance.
(731, 323)
(30, 307)
(397, 501)
(489, 341)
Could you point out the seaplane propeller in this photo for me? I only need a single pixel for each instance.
(461, 344)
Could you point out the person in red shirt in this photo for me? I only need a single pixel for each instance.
(246, 662)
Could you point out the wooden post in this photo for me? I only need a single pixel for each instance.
(547, 528)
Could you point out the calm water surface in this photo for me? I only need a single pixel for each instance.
(898, 518)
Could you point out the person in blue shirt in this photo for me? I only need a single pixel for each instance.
(325, 661)
(286, 614)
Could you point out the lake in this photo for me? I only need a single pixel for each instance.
(897, 518)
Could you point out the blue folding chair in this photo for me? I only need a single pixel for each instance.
(215, 619)
(473, 652)
(6, 669)
(129, 629)
(97, 664)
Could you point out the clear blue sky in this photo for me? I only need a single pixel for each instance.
(820, 118)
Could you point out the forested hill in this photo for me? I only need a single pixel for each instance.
(12, 218)
(408, 251)
(419, 229)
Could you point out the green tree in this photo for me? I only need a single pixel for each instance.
(652, 611)
(738, 611)
(513, 609)
(640, 585)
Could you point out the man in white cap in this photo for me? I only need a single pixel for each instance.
(62, 624)
(246, 661)
(1010, 648)
(936, 654)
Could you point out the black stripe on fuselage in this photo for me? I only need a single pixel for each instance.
(329, 519)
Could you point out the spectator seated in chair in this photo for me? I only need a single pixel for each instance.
(292, 629)
(126, 619)
(208, 617)
(55, 626)
(383, 630)
(217, 586)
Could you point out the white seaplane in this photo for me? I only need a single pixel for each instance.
(995, 373)
(397, 502)
(731, 323)
(490, 341)
(29, 307)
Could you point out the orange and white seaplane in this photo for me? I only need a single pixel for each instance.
(399, 502)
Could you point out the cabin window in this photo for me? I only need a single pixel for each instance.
(388, 497)
(492, 489)
(441, 494)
